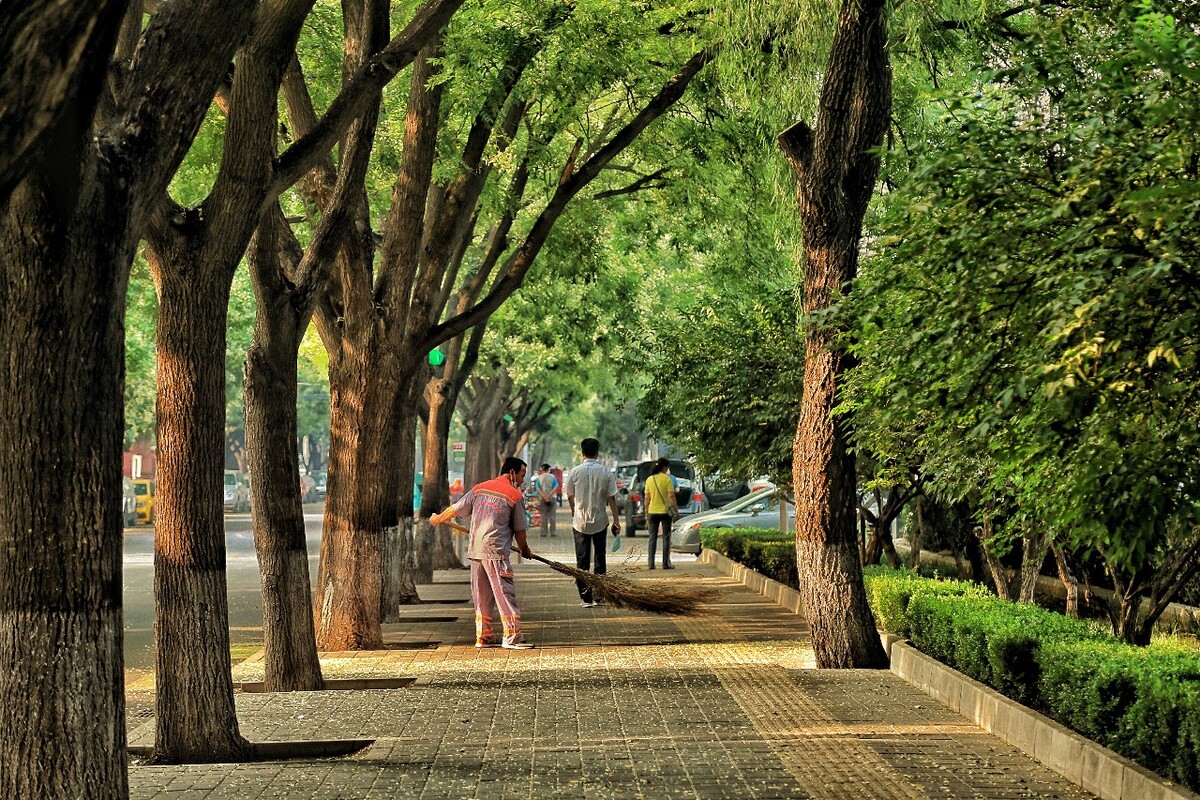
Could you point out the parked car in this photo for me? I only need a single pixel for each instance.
(626, 472)
(721, 490)
(128, 503)
(308, 487)
(689, 493)
(143, 489)
(237, 491)
(759, 509)
(321, 477)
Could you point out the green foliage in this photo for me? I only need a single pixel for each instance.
(765, 550)
(1027, 324)
(1140, 701)
(890, 591)
(141, 385)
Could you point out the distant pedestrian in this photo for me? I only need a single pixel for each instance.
(591, 491)
(497, 511)
(546, 485)
(557, 472)
(661, 509)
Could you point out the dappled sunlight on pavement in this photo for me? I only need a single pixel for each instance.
(611, 703)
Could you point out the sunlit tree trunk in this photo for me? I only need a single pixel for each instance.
(836, 169)
(195, 718)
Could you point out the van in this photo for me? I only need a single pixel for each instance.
(143, 490)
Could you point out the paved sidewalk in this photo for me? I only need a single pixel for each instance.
(611, 704)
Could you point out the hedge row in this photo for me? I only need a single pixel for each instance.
(767, 551)
(1143, 702)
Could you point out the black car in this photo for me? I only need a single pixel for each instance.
(689, 493)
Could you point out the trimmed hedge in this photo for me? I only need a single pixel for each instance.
(767, 551)
(890, 590)
(1143, 702)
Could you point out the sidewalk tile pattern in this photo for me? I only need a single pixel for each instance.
(612, 704)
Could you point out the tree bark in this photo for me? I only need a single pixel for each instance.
(836, 169)
(995, 569)
(62, 51)
(62, 700)
(1033, 553)
(400, 558)
(435, 491)
(1070, 582)
(68, 230)
(363, 387)
(195, 718)
(291, 662)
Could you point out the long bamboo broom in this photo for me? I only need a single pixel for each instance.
(657, 597)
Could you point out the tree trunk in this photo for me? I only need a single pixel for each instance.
(68, 230)
(400, 554)
(917, 538)
(836, 171)
(1033, 554)
(995, 569)
(62, 698)
(289, 642)
(195, 718)
(363, 391)
(435, 491)
(1070, 583)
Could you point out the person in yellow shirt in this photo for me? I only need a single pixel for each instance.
(661, 509)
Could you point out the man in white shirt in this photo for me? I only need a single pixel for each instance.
(590, 488)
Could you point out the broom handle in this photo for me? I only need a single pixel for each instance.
(544, 560)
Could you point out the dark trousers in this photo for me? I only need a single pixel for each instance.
(585, 545)
(655, 523)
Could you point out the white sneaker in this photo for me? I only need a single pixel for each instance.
(596, 603)
(517, 646)
(586, 604)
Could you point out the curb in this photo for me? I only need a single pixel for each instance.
(1091, 766)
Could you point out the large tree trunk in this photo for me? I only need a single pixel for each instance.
(836, 169)
(195, 718)
(289, 642)
(363, 389)
(62, 701)
(68, 230)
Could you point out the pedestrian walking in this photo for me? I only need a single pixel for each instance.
(497, 512)
(591, 490)
(662, 509)
(546, 484)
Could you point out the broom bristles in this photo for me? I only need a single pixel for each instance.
(656, 597)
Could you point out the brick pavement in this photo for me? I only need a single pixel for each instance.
(612, 704)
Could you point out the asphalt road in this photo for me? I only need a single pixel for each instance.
(245, 600)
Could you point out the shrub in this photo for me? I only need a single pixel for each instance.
(776, 560)
(732, 543)
(889, 592)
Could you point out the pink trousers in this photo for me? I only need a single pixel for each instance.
(492, 587)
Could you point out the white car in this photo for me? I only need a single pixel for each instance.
(759, 509)
(237, 492)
